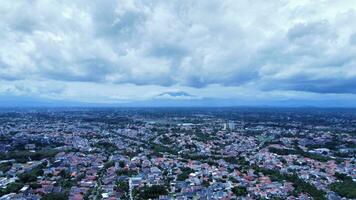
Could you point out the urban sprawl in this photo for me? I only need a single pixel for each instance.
(177, 153)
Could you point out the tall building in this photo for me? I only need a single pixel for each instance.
(231, 125)
(224, 127)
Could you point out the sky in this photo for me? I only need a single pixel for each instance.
(233, 52)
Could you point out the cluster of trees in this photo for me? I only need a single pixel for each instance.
(109, 164)
(24, 156)
(203, 137)
(237, 161)
(185, 174)
(330, 145)
(55, 196)
(166, 140)
(346, 187)
(11, 188)
(150, 192)
(123, 188)
(39, 143)
(300, 186)
(126, 172)
(65, 180)
(299, 151)
(282, 151)
(196, 157)
(4, 167)
(158, 149)
(107, 146)
(122, 164)
(32, 175)
(206, 183)
(25, 178)
(239, 191)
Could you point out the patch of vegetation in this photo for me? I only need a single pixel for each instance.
(300, 186)
(109, 164)
(126, 172)
(299, 151)
(150, 192)
(158, 149)
(239, 191)
(121, 163)
(185, 174)
(25, 178)
(206, 183)
(237, 161)
(11, 188)
(123, 187)
(196, 157)
(345, 188)
(166, 140)
(282, 151)
(35, 185)
(202, 137)
(107, 146)
(4, 167)
(32, 175)
(55, 196)
(342, 177)
(24, 156)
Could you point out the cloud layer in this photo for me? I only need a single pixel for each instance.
(263, 46)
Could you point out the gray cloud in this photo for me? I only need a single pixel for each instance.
(353, 39)
(268, 45)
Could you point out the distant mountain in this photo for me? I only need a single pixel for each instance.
(175, 95)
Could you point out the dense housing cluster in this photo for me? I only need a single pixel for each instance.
(177, 153)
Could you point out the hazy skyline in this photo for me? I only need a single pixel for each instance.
(263, 52)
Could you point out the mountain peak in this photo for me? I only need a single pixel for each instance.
(175, 95)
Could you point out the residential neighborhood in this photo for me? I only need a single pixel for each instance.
(164, 154)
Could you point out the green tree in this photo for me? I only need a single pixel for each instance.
(185, 174)
(150, 192)
(346, 188)
(55, 196)
(11, 188)
(121, 163)
(239, 191)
